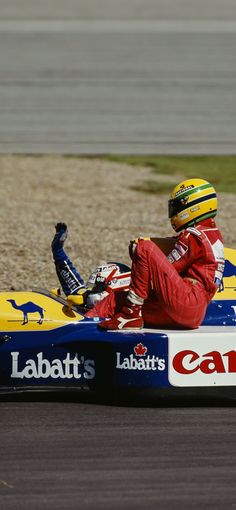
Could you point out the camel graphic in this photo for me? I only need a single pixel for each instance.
(27, 308)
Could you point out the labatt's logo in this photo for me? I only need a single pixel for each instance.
(141, 361)
(71, 367)
(188, 362)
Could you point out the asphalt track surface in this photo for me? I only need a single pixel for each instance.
(118, 77)
(65, 453)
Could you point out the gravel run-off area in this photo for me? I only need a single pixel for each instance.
(95, 199)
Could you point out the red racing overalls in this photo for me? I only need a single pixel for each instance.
(176, 288)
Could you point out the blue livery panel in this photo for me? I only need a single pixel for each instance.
(141, 361)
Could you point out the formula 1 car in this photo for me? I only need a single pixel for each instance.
(47, 344)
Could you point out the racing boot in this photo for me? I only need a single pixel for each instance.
(130, 316)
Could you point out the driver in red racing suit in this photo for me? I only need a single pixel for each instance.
(174, 290)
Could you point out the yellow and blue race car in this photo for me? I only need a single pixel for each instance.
(47, 343)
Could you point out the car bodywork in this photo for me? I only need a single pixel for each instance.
(46, 343)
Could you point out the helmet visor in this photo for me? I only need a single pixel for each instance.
(175, 205)
(97, 281)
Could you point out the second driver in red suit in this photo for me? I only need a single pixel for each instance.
(174, 290)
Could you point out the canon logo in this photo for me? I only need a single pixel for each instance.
(188, 362)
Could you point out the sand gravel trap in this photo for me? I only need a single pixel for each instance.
(94, 198)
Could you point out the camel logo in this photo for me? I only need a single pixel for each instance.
(27, 308)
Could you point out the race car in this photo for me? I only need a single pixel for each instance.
(46, 343)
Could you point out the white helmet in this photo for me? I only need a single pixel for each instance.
(105, 278)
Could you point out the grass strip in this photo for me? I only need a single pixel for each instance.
(219, 170)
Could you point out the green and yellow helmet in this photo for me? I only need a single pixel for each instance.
(191, 201)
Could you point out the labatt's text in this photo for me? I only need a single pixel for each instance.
(72, 367)
(132, 363)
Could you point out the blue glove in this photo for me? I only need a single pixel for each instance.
(60, 236)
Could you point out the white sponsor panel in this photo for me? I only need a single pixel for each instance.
(202, 359)
(71, 367)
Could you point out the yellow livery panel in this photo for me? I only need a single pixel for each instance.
(34, 311)
(229, 279)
